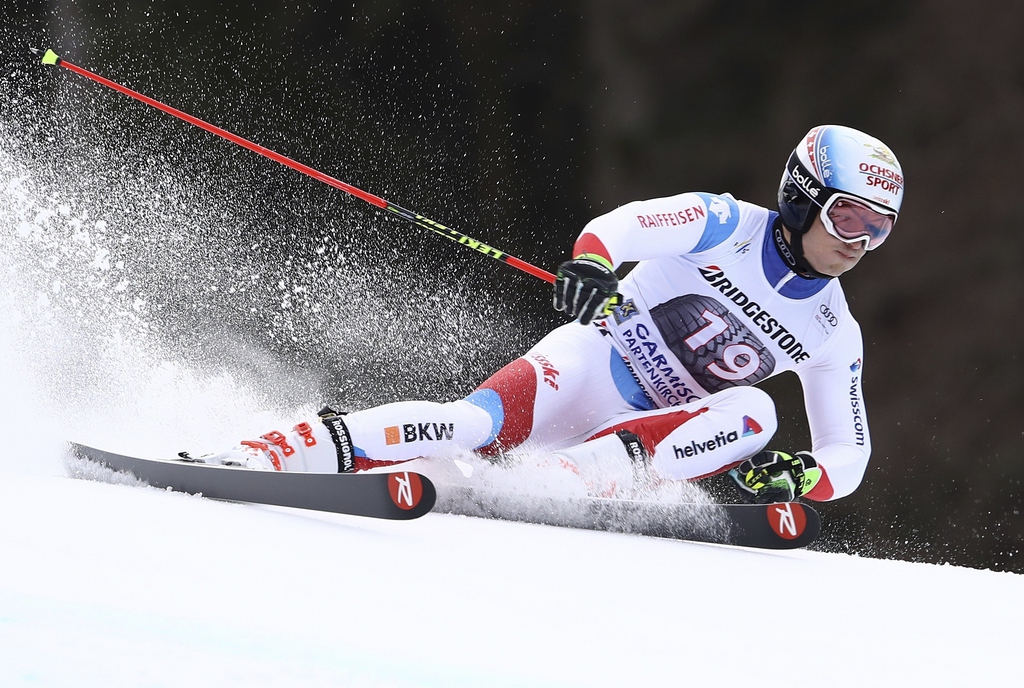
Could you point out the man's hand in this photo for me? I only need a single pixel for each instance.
(774, 476)
(583, 289)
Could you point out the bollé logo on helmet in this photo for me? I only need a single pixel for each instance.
(806, 183)
(824, 162)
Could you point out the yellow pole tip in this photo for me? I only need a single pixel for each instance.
(50, 57)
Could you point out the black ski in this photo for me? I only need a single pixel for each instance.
(408, 495)
(787, 525)
(400, 495)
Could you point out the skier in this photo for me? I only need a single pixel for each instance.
(653, 380)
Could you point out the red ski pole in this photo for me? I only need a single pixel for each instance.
(51, 58)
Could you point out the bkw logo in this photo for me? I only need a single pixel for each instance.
(419, 432)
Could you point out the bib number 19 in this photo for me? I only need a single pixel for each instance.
(738, 361)
(714, 346)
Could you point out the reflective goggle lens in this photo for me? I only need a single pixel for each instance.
(853, 221)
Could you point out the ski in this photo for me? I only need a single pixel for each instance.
(400, 495)
(786, 525)
(406, 495)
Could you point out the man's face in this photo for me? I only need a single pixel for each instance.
(827, 254)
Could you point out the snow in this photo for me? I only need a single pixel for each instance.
(117, 585)
(114, 585)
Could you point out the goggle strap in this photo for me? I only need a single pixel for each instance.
(806, 181)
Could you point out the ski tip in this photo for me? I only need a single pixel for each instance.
(793, 524)
(49, 57)
(412, 493)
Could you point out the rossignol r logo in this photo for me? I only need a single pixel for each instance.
(406, 489)
(788, 519)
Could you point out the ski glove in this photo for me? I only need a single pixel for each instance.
(774, 476)
(584, 288)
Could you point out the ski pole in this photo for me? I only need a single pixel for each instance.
(51, 58)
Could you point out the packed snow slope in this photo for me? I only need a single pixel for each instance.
(143, 313)
(113, 585)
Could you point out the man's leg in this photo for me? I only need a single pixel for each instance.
(560, 392)
(564, 387)
(680, 443)
(704, 437)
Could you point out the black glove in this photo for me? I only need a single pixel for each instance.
(774, 476)
(584, 288)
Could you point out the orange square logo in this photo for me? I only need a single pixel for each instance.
(392, 436)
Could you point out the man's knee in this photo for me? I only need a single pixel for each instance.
(509, 397)
(756, 407)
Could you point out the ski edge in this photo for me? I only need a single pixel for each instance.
(396, 495)
(782, 526)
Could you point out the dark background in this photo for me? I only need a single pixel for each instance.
(518, 122)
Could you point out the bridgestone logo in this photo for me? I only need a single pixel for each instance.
(764, 320)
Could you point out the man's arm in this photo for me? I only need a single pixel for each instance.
(662, 227)
(658, 228)
(834, 399)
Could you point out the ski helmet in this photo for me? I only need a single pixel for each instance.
(850, 180)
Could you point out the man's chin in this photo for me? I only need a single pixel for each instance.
(843, 263)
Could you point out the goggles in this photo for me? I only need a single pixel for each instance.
(850, 220)
(847, 217)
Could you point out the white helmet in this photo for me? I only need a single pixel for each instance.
(852, 181)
